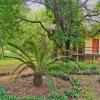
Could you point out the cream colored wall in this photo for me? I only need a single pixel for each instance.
(88, 43)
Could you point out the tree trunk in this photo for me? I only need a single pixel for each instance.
(2, 46)
(38, 79)
(67, 48)
(2, 51)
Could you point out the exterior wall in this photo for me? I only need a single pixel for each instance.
(92, 59)
(88, 44)
(88, 59)
(98, 59)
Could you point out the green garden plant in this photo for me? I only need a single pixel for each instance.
(35, 57)
(5, 96)
(75, 67)
(74, 92)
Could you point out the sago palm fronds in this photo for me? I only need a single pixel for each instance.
(37, 59)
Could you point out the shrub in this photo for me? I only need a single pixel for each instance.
(57, 96)
(34, 98)
(2, 91)
(71, 67)
(5, 96)
(74, 92)
(36, 59)
(89, 94)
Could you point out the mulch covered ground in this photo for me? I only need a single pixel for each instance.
(90, 85)
(25, 87)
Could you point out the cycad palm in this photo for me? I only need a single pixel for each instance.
(38, 59)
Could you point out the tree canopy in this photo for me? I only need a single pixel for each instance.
(63, 21)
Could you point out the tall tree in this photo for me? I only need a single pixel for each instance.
(71, 16)
(67, 21)
(9, 20)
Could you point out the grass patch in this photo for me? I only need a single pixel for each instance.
(8, 64)
(4, 62)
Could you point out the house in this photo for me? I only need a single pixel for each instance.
(91, 51)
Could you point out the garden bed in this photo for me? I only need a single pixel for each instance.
(90, 85)
(24, 87)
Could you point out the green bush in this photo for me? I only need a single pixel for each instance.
(71, 67)
(61, 66)
(2, 91)
(74, 92)
(5, 96)
(34, 98)
(87, 65)
(57, 96)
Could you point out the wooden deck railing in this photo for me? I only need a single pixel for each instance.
(87, 50)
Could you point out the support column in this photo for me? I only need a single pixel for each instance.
(77, 57)
(94, 58)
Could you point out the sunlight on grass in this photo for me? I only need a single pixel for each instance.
(8, 64)
(8, 61)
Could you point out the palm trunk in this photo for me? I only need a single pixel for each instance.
(38, 80)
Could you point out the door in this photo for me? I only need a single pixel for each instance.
(95, 45)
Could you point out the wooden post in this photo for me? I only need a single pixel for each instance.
(77, 57)
(94, 58)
